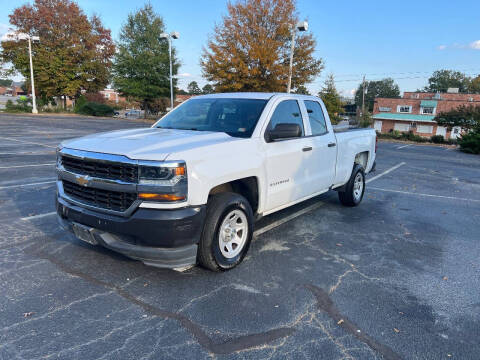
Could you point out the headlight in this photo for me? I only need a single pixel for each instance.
(162, 175)
(164, 182)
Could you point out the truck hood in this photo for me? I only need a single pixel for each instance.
(146, 143)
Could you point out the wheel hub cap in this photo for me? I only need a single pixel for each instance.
(233, 233)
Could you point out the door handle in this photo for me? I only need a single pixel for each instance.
(307, 148)
(332, 144)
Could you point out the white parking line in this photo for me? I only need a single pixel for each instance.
(420, 194)
(27, 142)
(38, 216)
(404, 146)
(25, 185)
(27, 153)
(385, 172)
(21, 166)
(287, 218)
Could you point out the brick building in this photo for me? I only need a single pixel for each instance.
(112, 95)
(415, 112)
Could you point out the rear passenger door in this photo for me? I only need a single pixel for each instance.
(323, 156)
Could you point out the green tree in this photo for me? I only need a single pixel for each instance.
(250, 50)
(441, 80)
(331, 99)
(5, 82)
(385, 88)
(193, 88)
(141, 66)
(208, 89)
(301, 90)
(474, 86)
(467, 117)
(74, 52)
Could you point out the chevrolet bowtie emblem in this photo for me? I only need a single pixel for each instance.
(82, 180)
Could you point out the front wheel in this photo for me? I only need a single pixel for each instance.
(227, 232)
(354, 188)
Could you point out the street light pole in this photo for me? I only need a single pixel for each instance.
(171, 79)
(169, 37)
(290, 69)
(34, 101)
(301, 26)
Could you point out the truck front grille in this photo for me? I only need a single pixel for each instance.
(104, 170)
(105, 199)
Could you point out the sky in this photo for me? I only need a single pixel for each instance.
(406, 40)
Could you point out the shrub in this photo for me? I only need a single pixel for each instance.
(94, 109)
(22, 105)
(437, 139)
(470, 142)
(412, 137)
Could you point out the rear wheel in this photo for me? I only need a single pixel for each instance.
(354, 188)
(227, 232)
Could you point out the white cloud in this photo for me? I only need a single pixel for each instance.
(442, 47)
(3, 31)
(475, 45)
(184, 75)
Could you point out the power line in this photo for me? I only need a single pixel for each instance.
(400, 73)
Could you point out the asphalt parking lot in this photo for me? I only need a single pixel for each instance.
(396, 278)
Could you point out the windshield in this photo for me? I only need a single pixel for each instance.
(236, 117)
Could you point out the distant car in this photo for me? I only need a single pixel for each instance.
(133, 113)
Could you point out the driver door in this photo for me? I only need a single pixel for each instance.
(285, 159)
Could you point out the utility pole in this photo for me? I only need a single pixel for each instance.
(363, 97)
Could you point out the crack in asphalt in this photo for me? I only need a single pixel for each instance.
(326, 304)
(240, 343)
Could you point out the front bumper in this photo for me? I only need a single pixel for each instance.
(161, 238)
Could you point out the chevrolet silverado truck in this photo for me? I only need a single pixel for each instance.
(188, 189)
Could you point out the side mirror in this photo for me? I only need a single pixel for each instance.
(284, 131)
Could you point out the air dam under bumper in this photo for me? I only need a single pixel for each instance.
(160, 238)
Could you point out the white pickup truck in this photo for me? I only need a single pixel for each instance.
(189, 188)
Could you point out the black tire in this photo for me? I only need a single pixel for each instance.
(347, 196)
(219, 206)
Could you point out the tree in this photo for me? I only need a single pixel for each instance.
(250, 49)
(441, 80)
(331, 99)
(467, 117)
(193, 88)
(385, 88)
(301, 90)
(474, 86)
(141, 66)
(74, 52)
(5, 82)
(208, 89)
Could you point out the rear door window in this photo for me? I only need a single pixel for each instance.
(316, 117)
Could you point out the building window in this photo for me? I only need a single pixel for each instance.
(404, 108)
(107, 96)
(384, 109)
(428, 110)
(401, 127)
(426, 129)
